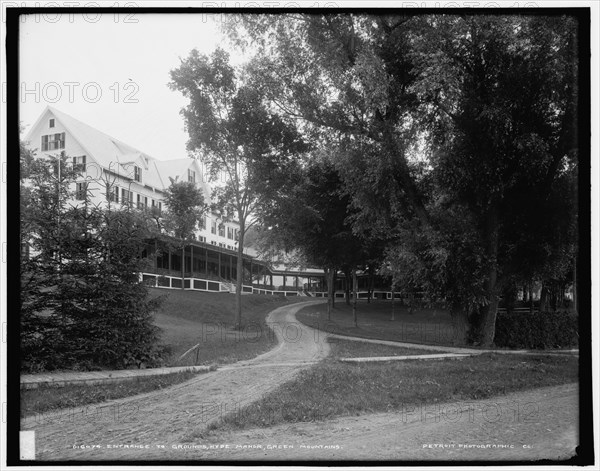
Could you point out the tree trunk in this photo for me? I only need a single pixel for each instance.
(240, 274)
(182, 264)
(393, 303)
(488, 325)
(355, 291)
(575, 285)
(330, 291)
(347, 281)
(544, 298)
(334, 279)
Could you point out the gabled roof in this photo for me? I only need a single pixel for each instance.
(117, 156)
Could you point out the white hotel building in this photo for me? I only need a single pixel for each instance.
(111, 170)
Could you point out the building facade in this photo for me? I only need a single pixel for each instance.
(112, 172)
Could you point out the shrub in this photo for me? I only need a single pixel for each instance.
(83, 305)
(537, 330)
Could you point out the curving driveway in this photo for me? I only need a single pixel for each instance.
(178, 414)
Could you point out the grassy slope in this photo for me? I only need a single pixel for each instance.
(427, 326)
(188, 318)
(50, 398)
(333, 389)
(356, 349)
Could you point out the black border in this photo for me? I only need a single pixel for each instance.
(585, 450)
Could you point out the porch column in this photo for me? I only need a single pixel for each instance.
(206, 261)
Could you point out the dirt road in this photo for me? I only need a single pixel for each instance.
(530, 425)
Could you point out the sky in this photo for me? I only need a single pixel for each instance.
(111, 72)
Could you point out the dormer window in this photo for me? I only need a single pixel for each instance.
(51, 123)
(137, 173)
(191, 176)
(53, 141)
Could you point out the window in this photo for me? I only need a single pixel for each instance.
(230, 233)
(236, 234)
(126, 196)
(81, 191)
(145, 202)
(213, 227)
(137, 173)
(221, 231)
(159, 208)
(191, 176)
(139, 202)
(202, 223)
(53, 141)
(202, 239)
(79, 164)
(153, 203)
(51, 123)
(112, 193)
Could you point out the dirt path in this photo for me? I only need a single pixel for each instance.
(179, 413)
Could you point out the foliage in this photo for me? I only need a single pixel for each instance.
(236, 136)
(537, 330)
(471, 115)
(184, 208)
(83, 305)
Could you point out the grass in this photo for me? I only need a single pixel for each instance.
(51, 398)
(356, 349)
(188, 318)
(334, 389)
(425, 326)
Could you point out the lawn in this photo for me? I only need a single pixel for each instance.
(334, 389)
(189, 318)
(50, 398)
(426, 326)
(355, 349)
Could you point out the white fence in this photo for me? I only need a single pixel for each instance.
(198, 284)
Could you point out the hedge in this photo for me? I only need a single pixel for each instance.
(537, 330)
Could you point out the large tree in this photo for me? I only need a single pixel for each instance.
(236, 136)
(310, 214)
(501, 113)
(83, 304)
(429, 112)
